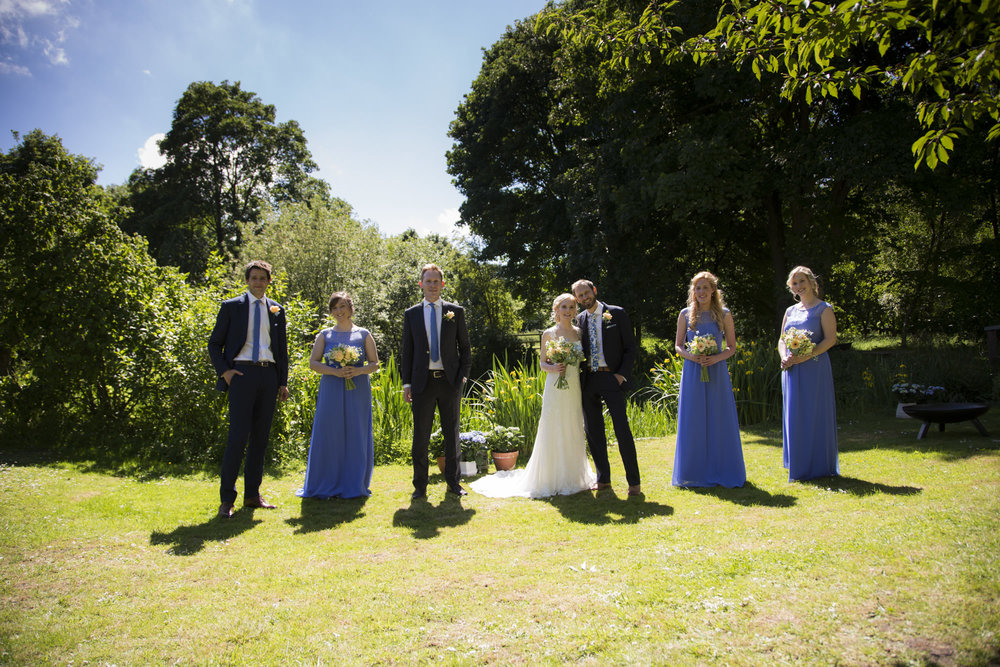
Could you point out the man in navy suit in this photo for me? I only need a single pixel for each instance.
(249, 350)
(436, 361)
(609, 348)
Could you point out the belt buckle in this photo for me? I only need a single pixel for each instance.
(437, 374)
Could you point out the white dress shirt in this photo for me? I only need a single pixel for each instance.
(246, 352)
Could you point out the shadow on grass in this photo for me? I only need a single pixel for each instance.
(860, 487)
(189, 540)
(606, 507)
(325, 514)
(864, 431)
(426, 520)
(749, 495)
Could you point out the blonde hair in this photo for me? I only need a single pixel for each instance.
(431, 267)
(556, 302)
(715, 305)
(809, 275)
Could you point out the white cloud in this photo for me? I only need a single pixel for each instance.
(55, 54)
(36, 25)
(10, 68)
(147, 72)
(449, 217)
(150, 156)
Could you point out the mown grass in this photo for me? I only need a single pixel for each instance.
(893, 563)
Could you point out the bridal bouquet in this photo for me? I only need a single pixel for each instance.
(562, 351)
(344, 355)
(703, 345)
(797, 342)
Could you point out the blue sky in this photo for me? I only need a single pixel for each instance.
(374, 85)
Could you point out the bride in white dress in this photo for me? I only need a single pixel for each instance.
(558, 464)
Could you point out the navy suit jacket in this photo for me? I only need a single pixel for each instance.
(456, 352)
(230, 334)
(619, 340)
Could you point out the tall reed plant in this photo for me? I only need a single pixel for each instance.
(512, 398)
(755, 371)
(392, 419)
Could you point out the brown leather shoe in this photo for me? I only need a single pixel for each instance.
(601, 486)
(258, 503)
(635, 490)
(226, 510)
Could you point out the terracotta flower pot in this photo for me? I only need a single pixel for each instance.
(441, 462)
(504, 460)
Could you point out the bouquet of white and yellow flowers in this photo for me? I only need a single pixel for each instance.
(562, 351)
(705, 344)
(797, 342)
(344, 355)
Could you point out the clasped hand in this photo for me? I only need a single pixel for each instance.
(790, 360)
(706, 359)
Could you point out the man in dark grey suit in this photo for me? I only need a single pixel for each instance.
(609, 348)
(436, 362)
(249, 350)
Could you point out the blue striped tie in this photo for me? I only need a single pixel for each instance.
(434, 333)
(256, 330)
(594, 351)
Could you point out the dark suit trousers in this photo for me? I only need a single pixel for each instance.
(252, 397)
(440, 395)
(601, 387)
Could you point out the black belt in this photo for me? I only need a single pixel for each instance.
(437, 374)
(265, 364)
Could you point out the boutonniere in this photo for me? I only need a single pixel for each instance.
(275, 309)
(606, 316)
(450, 315)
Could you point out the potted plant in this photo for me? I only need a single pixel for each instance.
(504, 443)
(436, 449)
(471, 443)
(908, 393)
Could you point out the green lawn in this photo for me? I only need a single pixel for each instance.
(896, 562)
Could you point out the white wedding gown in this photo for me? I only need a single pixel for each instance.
(558, 464)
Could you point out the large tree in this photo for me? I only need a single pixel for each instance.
(80, 301)
(228, 162)
(637, 178)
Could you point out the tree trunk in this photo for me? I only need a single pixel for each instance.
(776, 244)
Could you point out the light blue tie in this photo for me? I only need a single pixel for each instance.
(434, 333)
(256, 330)
(594, 351)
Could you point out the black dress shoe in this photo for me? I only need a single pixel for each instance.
(457, 490)
(419, 494)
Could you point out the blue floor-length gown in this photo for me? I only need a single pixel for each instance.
(709, 451)
(342, 448)
(809, 410)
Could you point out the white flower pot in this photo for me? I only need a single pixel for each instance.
(467, 468)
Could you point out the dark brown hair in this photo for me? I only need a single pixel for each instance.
(256, 264)
(337, 297)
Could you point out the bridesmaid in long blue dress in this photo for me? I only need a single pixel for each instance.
(809, 410)
(709, 450)
(341, 449)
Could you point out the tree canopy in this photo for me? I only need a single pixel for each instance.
(945, 54)
(578, 158)
(228, 162)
